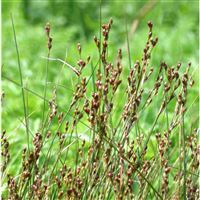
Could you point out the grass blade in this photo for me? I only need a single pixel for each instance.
(21, 82)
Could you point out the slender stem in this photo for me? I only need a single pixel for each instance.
(45, 91)
(93, 77)
(184, 157)
(100, 24)
(128, 47)
(21, 83)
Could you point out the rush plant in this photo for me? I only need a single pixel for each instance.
(123, 157)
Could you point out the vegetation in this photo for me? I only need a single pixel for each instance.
(109, 120)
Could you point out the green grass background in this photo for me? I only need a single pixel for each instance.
(175, 24)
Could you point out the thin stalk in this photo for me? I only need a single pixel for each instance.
(45, 90)
(21, 82)
(128, 47)
(93, 77)
(184, 158)
(100, 24)
(180, 165)
(166, 109)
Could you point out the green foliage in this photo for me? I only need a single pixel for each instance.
(176, 24)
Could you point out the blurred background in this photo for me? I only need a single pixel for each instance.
(175, 24)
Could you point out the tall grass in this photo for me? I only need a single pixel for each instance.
(116, 156)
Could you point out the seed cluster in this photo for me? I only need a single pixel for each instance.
(4, 151)
(49, 38)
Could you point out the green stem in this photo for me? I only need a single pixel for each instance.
(21, 82)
